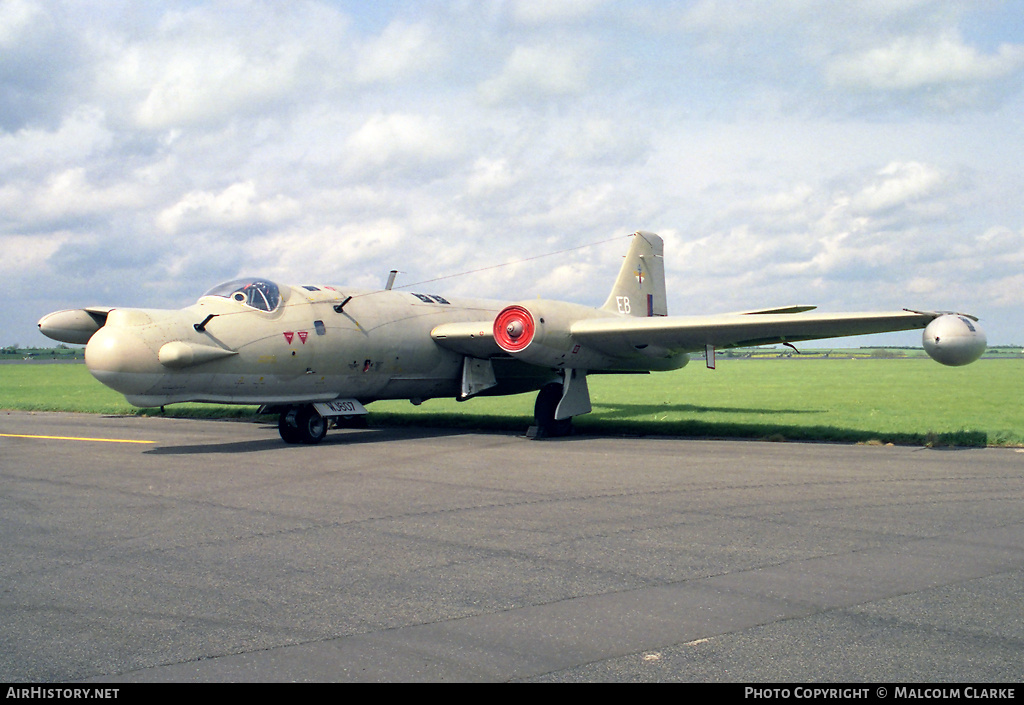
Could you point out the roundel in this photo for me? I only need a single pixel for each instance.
(513, 328)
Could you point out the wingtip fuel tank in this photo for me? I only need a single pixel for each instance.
(954, 339)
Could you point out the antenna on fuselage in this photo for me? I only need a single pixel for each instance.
(201, 327)
(340, 308)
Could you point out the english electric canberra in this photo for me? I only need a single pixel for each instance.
(315, 353)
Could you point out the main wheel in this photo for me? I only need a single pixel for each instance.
(287, 426)
(302, 424)
(544, 413)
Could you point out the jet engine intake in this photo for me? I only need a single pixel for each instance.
(514, 328)
(538, 332)
(954, 340)
(74, 326)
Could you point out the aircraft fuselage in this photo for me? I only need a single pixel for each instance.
(377, 347)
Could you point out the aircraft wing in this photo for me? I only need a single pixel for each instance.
(551, 334)
(622, 336)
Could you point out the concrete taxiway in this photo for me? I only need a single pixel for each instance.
(211, 551)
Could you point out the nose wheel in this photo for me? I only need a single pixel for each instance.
(301, 424)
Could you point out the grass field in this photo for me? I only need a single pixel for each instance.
(908, 401)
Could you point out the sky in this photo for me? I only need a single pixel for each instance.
(856, 155)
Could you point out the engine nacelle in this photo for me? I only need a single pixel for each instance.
(954, 340)
(75, 326)
(538, 332)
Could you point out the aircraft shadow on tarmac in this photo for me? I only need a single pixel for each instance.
(607, 418)
(605, 410)
(273, 442)
(604, 424)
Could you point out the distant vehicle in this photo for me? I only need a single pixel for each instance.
(316, 352)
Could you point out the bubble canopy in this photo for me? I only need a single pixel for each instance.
(261, 294)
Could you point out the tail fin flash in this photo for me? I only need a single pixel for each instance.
(640, 288)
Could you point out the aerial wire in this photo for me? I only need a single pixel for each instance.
(341, 306)
(508, 264)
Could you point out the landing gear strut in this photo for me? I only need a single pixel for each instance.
(302, 424)
(544, 413)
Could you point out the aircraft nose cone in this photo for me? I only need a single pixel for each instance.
(121, 360)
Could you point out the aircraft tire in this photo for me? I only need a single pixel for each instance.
(301, 424)
(312, 426)
(286, 425)
(544, 413)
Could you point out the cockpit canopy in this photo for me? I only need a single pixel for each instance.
(261, 294)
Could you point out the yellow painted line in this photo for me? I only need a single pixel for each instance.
(72, 438)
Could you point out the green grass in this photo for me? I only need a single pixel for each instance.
(70, 387)
(911, 401)
(908, 401)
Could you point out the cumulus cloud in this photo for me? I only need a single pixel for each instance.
(299, 255)
(537, 71)
(67, 200)
(1003, 242)
(854, 242)
(489, 176)
(42, 64)
(400, 139)
(546, 11)
(401, 51)
(899, 184)
(80, 135)
(798, 15)
(180, 84)
(910, 63)
(24, 254)
(18, 17)
(616, 141)
(201, 66)
(236, 206)
(138, 149)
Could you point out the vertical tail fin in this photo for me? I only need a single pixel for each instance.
(640, 287)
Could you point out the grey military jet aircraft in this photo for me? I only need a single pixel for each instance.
(314, 353)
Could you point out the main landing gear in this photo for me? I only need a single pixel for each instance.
(302, 424)
(558, 402)
(544, 413)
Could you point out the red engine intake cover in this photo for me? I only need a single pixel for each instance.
(513, 328)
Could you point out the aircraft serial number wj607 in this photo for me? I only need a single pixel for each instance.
(313, 353)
